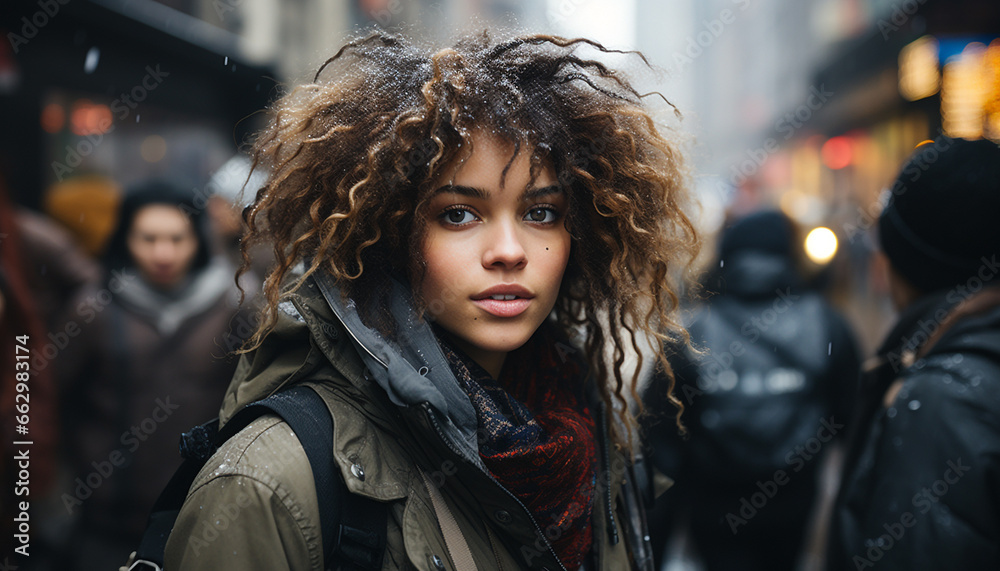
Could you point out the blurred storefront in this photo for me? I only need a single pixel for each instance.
(919, 69)
(97, 95)
(924, 69)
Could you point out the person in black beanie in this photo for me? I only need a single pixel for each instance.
(763, 405)
(921, 481)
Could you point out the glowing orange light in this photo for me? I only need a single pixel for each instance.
(918, 69)
(836, 152)
(88, 118)
(964, 94)
(924, 142)
(53, 118)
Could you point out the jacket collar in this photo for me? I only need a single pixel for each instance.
(407, 361)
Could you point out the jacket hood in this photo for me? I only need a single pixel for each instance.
(752, 273)
(156, 192)
(972, 326)
(407, 363)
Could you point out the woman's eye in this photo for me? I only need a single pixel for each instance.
(541, 215)
(458, 216)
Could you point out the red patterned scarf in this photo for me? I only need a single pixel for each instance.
(537, 437)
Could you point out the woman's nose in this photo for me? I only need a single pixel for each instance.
(504, 248)
(164, 250)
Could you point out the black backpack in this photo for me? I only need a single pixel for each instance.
(353, 527)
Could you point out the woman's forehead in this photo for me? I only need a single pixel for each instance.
(494, 163)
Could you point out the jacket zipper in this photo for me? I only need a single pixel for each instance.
(444, 439)
(606, 460)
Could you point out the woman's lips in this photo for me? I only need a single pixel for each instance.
(503, 308)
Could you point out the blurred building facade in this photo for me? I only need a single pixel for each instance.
(812, 105)
(98, 95)
(767, 87)
(102, 93)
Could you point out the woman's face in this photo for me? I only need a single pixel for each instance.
(163, 244)
(495, 254)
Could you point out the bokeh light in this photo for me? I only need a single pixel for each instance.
(837, 153)
(88, 118)
(153, 149)
(53, 118)
(821, 245)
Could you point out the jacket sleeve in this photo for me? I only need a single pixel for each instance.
(252, 507)
(235, 522)
(663, 443)
(933, 499)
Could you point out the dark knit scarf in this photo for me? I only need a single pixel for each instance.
(537, 437)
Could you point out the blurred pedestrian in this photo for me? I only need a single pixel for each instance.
(921, 482)
(764, 402)
(232, 188)
(58, 266)
(143, 358)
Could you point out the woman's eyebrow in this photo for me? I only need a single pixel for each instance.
(534, 193)
(482, 194)
(470, 191)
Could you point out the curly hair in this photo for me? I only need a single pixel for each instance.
(351, 158)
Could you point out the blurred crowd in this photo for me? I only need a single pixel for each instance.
(128, 348)
(802, 429)
(792, 454)
(798, 456)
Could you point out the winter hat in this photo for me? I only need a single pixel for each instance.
(769, 231)
(941, 219)
(237, 181)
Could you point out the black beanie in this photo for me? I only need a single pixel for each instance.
(769, 231)
(942, 217)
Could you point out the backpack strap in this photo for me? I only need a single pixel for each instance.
(353, 527)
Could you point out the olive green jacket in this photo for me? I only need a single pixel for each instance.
(254, 504)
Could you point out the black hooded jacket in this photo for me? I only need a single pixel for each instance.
(780, 370)
(921, 484)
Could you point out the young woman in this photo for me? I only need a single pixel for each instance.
(461, 233)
